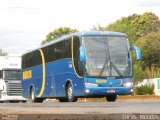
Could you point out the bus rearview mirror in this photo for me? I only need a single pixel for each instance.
(138, 52)
(82, 54)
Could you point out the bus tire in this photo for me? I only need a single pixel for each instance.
(33, 98)
(111, 98)
(69, 94)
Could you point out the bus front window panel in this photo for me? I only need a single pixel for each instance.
(96, 51)
(119, 56)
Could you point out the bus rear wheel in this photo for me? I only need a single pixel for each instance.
(33, 98)
(69, 93)
(111, 98)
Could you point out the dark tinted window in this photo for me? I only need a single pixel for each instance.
(29, 58)
(23, 61)
(45, 53)
(59, 50)
(37, 58)
(51, 53)
(76, 45)
(68, 48)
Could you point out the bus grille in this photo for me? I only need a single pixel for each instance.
(14, 89)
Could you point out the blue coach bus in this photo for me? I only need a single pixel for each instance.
(83, 64)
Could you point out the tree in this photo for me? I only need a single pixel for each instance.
(2, 53)
(123, 25)
(146, 23)
(143, 31)
(138, 73)
(149, 45)
(135, 26)
(58, 33)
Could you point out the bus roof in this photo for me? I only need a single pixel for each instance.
(79, 34)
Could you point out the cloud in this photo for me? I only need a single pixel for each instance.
(25, 23)
(148, 3)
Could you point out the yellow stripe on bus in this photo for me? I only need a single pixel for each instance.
(43, 74)
(73, 58)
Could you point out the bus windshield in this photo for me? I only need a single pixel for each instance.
(107, 56)
(12, 75)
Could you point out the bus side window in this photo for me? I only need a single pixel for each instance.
(45, 53)
(59, 50)
(37, 60)
(24, 62)
(30, 59)
(78, 66)
(68, 48)
(27, 58)
(51, 54)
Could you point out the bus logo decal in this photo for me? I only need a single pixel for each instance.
(27, 74)
(101, 81)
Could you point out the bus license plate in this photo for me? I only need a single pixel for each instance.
(111, 91)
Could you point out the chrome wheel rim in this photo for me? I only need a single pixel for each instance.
(32, 95)
(70, 92)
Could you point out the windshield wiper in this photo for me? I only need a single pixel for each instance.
(104, 65)
(116, 69)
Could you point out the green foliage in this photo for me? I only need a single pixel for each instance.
(144, 90)
(146, 23)
(153, 72)
(138, 74)
(134, 26)
(123, 25)
(149, 46)
(58, 33)
(2, 53)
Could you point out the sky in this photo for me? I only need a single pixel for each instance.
(25, 23)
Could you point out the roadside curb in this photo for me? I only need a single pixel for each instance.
(124, 98)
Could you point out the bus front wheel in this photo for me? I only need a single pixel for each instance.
(111, 98)
(69, 93)
(33, 98)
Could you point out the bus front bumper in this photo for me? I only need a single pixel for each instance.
(104, 91)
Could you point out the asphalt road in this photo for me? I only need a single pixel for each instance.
(83, 110)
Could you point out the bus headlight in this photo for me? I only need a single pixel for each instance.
(128, 84)
(91, 84)
(87, 91)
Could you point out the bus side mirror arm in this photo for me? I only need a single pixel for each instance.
(138, 52)
(82, 54)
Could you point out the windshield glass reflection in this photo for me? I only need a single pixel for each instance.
(107, 56)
